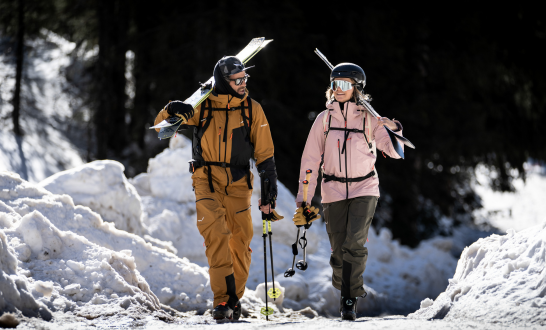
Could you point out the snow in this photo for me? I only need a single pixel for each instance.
(102, 186)
(519, 210)
(47, 107)
(89, 261)
(498, 279)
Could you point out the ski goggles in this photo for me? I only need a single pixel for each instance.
(239, 81)
(344, 85)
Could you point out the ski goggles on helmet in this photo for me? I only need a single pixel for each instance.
(344, 85)
(239, 81)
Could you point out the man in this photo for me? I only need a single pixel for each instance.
(229, 129)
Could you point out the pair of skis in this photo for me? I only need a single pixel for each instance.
(169, 126)
(393, 136)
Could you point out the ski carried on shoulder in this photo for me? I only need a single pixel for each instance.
(393, 136)
(169, 126)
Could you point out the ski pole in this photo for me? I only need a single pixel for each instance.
(266, 218)
(273, 293)
(264, 228)
(302, 264)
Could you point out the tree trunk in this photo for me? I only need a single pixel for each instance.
(141, 113)
(19, 67)
(110, 126)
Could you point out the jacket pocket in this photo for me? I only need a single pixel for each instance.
(241, 152)
(362, 160)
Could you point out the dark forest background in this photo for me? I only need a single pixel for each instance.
(466, 82)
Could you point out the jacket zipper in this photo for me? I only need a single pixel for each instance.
(339, 155)
(225, 146)
(346, 174)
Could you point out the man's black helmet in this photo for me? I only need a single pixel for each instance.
(231, 65)
(349, 70)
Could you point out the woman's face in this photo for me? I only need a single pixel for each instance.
(342, 96)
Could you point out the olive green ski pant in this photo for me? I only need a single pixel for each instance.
(347, 224)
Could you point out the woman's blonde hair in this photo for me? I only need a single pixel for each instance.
(357, 95)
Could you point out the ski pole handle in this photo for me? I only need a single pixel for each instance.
(308, 174)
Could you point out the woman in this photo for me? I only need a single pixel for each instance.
(344, 139)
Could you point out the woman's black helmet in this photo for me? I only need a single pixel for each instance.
(349, 70)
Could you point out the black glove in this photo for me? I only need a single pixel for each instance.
(180, 109)
(268, 166)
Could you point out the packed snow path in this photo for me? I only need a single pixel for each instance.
(286, 321)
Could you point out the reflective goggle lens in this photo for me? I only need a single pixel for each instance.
(344, 85)
(239, 81)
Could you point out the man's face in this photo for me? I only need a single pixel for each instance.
(241, 88)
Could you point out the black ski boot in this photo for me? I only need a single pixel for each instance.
(222, 311)
(348, 308)
(225, 311)
(237, 310)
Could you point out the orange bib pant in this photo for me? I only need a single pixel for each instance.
(225, 223)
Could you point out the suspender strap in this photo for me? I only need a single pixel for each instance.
(344, 180)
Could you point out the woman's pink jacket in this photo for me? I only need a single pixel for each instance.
(356, 161)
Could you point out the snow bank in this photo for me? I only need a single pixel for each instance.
(69, 273)
(47, 107)
(498, 279)
(102, 186)
(175, 282)
(14, 288)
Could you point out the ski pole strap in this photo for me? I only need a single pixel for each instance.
(303, 242)
(328, 178)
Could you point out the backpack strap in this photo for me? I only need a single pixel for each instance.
(204, 122)
(247, 122)
(371, 144)
(327, 118)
